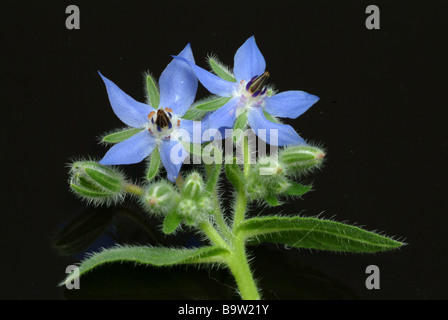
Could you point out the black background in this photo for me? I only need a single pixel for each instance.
(381, 118)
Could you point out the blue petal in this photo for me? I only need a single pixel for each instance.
(193, 129)
(211, 82)
(224, 116)
(172, 155)
(178, 84)
(276, 134)
(210, 134)
(289, 104)
(131, 112)
(248, 61)
(132, 150)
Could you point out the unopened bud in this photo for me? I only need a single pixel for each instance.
(160, 197)
(269, 166)
(97, 183)
(188, 210)
(193, 186)
(301, 159)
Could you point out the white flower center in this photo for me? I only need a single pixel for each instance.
(162, 124)
(251, 93)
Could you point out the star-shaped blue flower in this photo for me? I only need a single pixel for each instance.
(162, 125)
(249, 93)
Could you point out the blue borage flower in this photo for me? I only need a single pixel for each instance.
(162, 125)
(249, 93)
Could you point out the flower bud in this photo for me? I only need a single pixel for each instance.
(265, 178)
(97, 183)
(188, 210)
(301, 159)
(160, 197)
(193, 186)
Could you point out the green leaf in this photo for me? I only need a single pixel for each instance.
(171, 222)
(153, 91)
(154, 256)
(314, 233)
(235, 175)
(120, 135)
(212, 105)
(272, 201)
(297, 189)
(154, 164)
(220, 70)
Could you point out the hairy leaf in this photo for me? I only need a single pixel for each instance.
(154, 256)
(297, 189)
(171, 222)
(314, 233)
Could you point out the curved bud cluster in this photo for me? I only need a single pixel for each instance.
(97, 183)
(160, 198)
(267, 177)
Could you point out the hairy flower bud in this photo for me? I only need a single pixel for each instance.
(188, 210)
(265, 178)
(97, 183)
(193, 186)
(301, 159)
(160, 197)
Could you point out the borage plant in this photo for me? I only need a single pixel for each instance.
(171, 129)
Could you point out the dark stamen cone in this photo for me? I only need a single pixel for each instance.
(162, 119)
(258, 83)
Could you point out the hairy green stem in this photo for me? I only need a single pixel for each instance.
(239, 267)
(246, 155)
(132, 188)
(213, 234)
(240, 209)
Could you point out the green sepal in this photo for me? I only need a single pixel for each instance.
(153, 256)
(87, 189)
(219, 69)
(239, 126)
(154, 164)
(193, 148)
(171, 222)
(193, 114)
(297, 189)
(153, 91)
(314, 233)
(108, 179)
(235, 175)
(270, 117)
(120, 135)
(212, 105)
(272, 200)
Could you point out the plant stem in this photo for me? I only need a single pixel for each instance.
(219, 218)
(246, 155)
(132, 188)
(240, 209)
(213, 234)
(240, 269)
